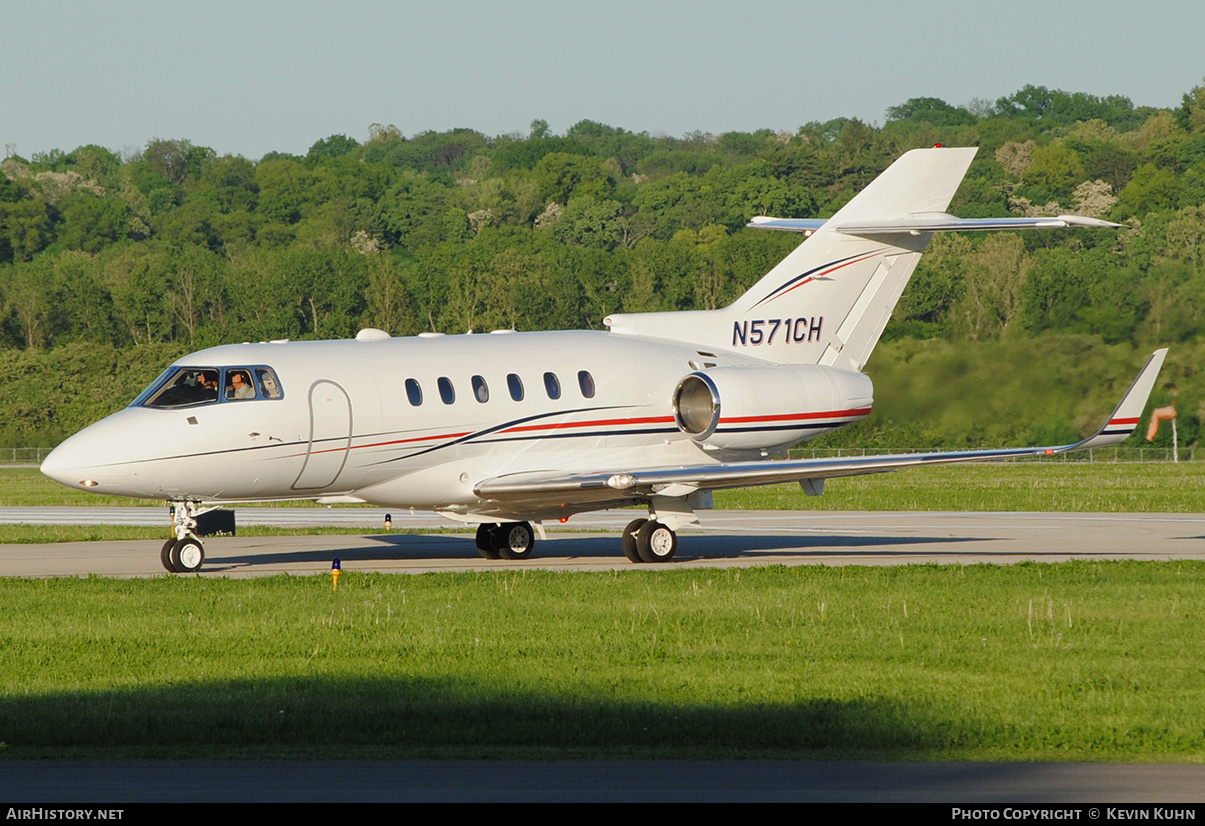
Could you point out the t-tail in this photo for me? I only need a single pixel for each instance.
(830, 299)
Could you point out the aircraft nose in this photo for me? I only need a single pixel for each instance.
(62, 465)
(90, 460)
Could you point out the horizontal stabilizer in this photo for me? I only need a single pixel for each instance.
(936, 222)
(787, 224)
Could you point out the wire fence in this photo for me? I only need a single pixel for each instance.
(1103, 454)
(35, 455)
(23, 455)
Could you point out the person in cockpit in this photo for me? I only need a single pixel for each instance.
(239, 386)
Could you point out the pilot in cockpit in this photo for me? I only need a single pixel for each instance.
(239, 385)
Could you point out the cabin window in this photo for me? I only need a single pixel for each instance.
(481, 390)
(413, 392)
(446, 391)
(269, 385)
(181, 387)
(586, 382)
(552, 385)
(515, 384)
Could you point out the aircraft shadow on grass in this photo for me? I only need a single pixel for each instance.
(472, 715)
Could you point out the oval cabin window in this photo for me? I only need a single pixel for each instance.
(413, 392)
(481, 390)
(586, 382)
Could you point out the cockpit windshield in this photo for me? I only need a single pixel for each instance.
(181, 387)
(188, 386)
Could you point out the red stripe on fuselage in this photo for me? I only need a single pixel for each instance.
(596, 423)
(787, 417)
(416, 439)
(520, 429)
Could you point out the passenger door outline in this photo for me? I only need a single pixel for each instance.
(330, 436)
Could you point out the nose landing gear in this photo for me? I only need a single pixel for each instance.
(184, 553)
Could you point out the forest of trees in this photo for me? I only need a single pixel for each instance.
(110, 266)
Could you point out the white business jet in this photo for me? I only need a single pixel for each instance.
(509, 429)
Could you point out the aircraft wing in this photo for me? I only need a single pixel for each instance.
(929, 222)
(681, 481)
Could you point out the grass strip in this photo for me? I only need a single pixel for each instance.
(1070, 487)
(1073, 661)
(42, 534)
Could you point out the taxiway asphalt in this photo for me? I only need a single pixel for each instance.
(1075, 786)
(725, 539)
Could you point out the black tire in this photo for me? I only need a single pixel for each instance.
(485, 541)
(165, 556)
(188, 555)
(656, 543)
(629, 540)
(514, 540)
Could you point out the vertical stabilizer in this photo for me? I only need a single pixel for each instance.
(829, 300)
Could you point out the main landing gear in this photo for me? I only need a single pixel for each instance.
(183, 553)
(644, 540)
(509, 540)
(647, 540)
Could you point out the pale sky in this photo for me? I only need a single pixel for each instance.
(256, 76)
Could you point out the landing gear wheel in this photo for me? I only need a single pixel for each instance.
(165, 556)
(514, 540)
(629, 540)
(655, 542)
(187, 555)
(485, 542)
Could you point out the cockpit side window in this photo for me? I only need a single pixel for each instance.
(239, 385)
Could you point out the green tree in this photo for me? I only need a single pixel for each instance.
(560, 176)
(1150, 190)
(1191, 113)
(176, 160)
(335, 146)
(930, 110)
(26, 222)
(1055, 169)
(91, 222)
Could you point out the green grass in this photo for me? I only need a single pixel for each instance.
(1121, 487)
(1076, 661)
(25, 487)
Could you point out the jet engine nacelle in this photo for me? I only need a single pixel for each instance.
(763, 408)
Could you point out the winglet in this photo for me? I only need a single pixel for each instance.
(1125, 418)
